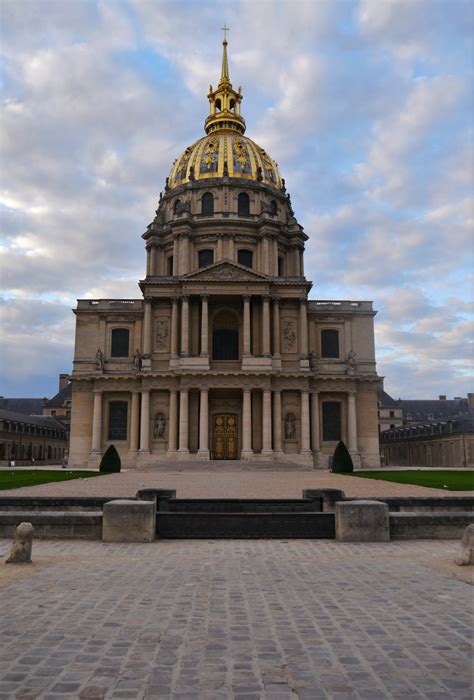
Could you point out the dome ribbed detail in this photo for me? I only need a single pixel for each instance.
(225, 154)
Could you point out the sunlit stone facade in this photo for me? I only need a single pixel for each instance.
(224, 356)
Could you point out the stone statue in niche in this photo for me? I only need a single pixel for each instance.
(289, 336)
(160, 426)
(162, 335)
(137, 361)
(351, 362)
(290, 427)
(99, 360)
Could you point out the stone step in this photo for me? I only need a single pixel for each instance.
(230, 465)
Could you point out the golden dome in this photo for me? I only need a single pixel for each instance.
(223, 153)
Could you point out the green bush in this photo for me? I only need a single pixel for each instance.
(110, 461)
(341, 461)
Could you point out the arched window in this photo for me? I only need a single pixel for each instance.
(243, 206)
(225, 337)
(207, 204)
(244, 257)
(273, 207)
(206, 257)
(329, 343)
(177, 207)
(331, 421)
(120, 342)
(218, 105)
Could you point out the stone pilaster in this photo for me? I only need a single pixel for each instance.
(247, 452)
(305, 426)
(185, 326)
(183, 448)
(97, 424)
(134, 419)
(277, 423)
(173, 422)
(145, 422)
(203, 452)
(204, 326)
(267, 423)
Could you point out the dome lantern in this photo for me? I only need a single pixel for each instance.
(224, 102)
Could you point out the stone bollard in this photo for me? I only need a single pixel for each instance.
(466, 551)
(129, 521)
(22, 545)
(329, 497)
(362, 521)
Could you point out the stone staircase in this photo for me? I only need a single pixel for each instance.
(217, 465)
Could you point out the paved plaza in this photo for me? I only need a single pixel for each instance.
(231, 480)
(236, 619)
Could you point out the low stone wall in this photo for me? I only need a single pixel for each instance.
(426, 504)
(54, 524)
(428, 526)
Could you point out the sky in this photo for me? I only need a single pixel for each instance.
(366, 105)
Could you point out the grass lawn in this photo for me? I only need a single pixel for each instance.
(10, 479)
(461, 480)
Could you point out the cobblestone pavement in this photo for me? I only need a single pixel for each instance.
(235, 619)
(193, 480)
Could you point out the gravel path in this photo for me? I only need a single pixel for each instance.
(237, 484)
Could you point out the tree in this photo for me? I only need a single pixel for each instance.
(110, 461)
(341, 461)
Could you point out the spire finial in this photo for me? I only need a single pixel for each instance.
(225, 65)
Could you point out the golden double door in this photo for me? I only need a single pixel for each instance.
(224, 436)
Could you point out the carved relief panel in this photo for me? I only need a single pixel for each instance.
(289, 337)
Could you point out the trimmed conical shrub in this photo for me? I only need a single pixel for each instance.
(341, 461)
(110, 461)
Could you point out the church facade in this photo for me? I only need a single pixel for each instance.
(224, 356)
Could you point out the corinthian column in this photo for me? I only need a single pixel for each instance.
(147, 329)
(246, 340)
(315, 421)
(145, 422)
(173, 426)
(352, 421)
(305, 429)
(303, 330)
(183, 421)
(204, 425)
(267, 423)
(247, 452)
(266, 327)
(174, 326)
(134, 421)
(185, 326)
(276, 328)
(277, 421)
(204, 326)
(97, 422)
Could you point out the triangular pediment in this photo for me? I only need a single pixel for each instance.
(226, 270)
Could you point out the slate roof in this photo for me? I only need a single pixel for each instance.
(60, 398)
(419, 410)
(386, 400)
(27, 407)
(43, 421)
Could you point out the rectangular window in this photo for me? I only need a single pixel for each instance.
(169, 266)
(244, 257)
(331, 421)
(330, 343)
(118, 414)
(120, 342)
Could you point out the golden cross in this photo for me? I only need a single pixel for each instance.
(225, 29)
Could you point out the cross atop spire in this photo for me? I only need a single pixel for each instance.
(224, 102)
(225, 65)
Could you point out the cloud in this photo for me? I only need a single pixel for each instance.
(364, 105)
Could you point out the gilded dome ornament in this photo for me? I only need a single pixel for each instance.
(225, 151)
